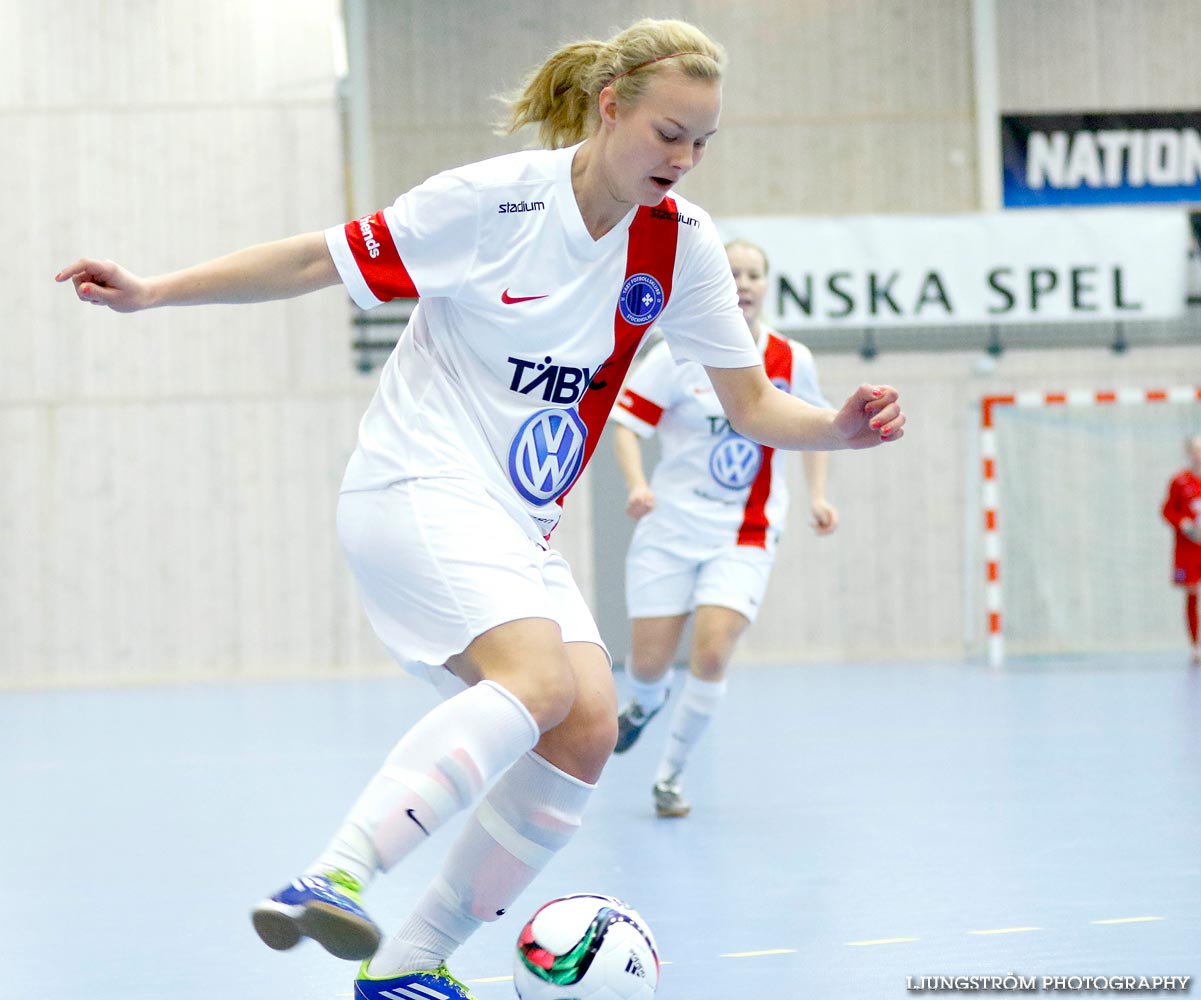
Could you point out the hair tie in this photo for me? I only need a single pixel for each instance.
(649, 62)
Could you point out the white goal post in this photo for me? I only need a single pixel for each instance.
(1095, 459)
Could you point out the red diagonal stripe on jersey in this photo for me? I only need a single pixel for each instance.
(640, 407)
(651, 250)
(384, 273)
(777, 361)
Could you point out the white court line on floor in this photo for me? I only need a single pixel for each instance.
(868, 944)
(1126, 920)
(756, 954)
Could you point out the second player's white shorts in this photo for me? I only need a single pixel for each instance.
(662, 581)
(438, 562)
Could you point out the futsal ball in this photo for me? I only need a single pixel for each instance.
(586, 947)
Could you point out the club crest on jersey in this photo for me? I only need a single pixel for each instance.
(546, 455)
(735, 461)
(641, 299)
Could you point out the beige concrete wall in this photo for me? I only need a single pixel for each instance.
(170, 477)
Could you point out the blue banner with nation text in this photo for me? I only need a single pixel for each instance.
(1101, 159)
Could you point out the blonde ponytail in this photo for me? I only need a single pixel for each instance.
(560, 96)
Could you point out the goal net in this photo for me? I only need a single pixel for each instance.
(1077, 557)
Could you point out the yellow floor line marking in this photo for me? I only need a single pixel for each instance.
(865, 944)
(1008, 930)
(756, 954)
(1126, 920)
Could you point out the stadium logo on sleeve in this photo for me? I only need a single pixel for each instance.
(641, 299)
(546, 454)
(735, 461)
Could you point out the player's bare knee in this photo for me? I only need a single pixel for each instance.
(584, 740)
(599, 725)
(547, 688)
(709, 663)
(649, 669)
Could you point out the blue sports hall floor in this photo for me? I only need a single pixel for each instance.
(855, 828)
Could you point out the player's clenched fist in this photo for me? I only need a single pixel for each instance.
(871, 416)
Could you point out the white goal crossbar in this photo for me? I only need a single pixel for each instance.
(990, 495)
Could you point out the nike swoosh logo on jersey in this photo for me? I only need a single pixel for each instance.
(509, 300)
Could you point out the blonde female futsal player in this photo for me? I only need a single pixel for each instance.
(539, 273)
(708, 524)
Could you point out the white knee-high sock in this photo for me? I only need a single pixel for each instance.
(528, 816)
(438, 768)
(698, 701)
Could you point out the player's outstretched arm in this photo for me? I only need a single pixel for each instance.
(278, 270)
(758, 410)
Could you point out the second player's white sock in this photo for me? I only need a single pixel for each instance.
(697, 703)
(650, 695)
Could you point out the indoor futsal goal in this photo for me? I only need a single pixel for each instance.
(1077, 558)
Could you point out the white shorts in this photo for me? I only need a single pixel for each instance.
(439, 562)
(661, 582)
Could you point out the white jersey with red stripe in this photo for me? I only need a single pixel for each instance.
(712, 486)
(526, 325)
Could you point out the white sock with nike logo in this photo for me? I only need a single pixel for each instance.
(438, 768)
(523, 821)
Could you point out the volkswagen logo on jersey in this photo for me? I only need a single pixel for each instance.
(546, 454)
(734, 461)
(641, 299)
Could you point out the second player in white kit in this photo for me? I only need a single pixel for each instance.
(708, 525)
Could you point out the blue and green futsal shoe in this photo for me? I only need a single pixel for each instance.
(322, 907)
(435, 984)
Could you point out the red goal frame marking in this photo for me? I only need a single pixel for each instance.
(989, 493)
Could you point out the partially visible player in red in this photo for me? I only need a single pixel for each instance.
(1182, 509)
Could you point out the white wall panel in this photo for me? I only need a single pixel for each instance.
(171, 477)
(829, 107)
(1098, 55)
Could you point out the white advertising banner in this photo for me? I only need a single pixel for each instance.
(1034, 266)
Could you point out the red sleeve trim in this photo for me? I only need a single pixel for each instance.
(379, 262)
(640, 407)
